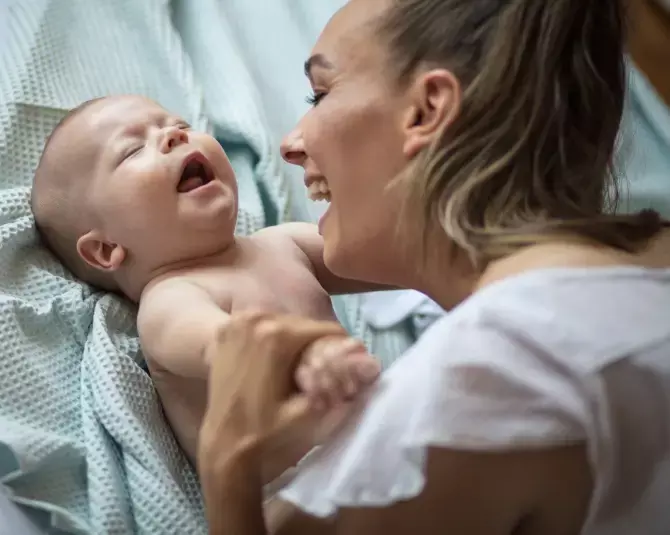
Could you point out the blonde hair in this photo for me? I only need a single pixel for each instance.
(530, 155)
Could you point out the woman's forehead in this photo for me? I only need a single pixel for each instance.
(351, 31)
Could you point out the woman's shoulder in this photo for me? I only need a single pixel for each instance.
(578, 313)
(580, 259)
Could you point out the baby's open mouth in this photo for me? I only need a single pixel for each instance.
(196, 173)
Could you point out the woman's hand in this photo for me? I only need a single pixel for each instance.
(256, 421)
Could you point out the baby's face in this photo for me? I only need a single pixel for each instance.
(160, 190)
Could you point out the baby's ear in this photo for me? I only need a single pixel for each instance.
(100, 254)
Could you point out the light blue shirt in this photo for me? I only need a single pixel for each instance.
(644, 154)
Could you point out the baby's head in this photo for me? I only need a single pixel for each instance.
(125, 191)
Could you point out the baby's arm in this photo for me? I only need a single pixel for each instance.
(176, 322)
(307, 238)
(178, 319)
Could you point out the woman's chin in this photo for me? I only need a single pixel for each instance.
(322, 220)
(330, 258)
(340, 260)
(334, 259)
(344, 250)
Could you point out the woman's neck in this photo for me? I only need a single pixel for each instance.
(453, 281)
(448, 279)
(649, 43)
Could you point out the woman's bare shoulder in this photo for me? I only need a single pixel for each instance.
(577, 254)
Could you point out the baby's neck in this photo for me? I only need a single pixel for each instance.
(134, 281)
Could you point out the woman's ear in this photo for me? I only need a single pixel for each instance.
(435, 100)
(100, 254)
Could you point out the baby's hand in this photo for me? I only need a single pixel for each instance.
(334, 370)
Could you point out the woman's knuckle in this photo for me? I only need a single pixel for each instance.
(268, 329)
(319, 363)
(251, 317)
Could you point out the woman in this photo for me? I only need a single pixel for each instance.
(487, 128)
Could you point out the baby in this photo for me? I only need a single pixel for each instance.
(133, 201)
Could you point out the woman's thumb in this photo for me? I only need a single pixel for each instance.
(297, 411)
(298, 415)
(304, 331)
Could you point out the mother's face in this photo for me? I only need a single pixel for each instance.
(354, 139)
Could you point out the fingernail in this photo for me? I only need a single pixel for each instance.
(349, 344)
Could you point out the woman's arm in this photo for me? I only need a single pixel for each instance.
(234, 500)
(544, 492)
(254, 415)
(254, 412)
(531, 493)
(283, 517)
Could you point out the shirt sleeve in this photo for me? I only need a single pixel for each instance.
(467, 386)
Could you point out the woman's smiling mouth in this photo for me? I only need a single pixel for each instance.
(318, 189)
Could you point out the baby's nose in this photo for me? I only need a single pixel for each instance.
(293, 148)
(173, 137)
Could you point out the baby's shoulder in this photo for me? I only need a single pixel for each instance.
(283, 242)
(283, 234)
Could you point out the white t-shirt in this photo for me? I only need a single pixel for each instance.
(542, 359)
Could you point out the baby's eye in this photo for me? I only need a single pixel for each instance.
(132, 151)
(182, 125)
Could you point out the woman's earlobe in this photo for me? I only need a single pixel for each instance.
(414, 141)
(100, 254)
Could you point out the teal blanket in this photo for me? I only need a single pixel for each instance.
(83, 440)
(84, 446)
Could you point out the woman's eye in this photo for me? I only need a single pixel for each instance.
(184, 126)
(315, 98)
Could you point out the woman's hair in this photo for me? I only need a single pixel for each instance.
(530, 155)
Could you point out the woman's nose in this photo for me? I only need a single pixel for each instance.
(293, 148)
(172, 137)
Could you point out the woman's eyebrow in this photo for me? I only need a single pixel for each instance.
(317, 60)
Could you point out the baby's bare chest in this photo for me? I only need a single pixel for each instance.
(271, 283)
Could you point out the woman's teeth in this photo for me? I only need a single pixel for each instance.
(319, 191)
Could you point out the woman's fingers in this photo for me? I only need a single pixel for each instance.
(252, 399)
(279, 333)
(271, 344)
